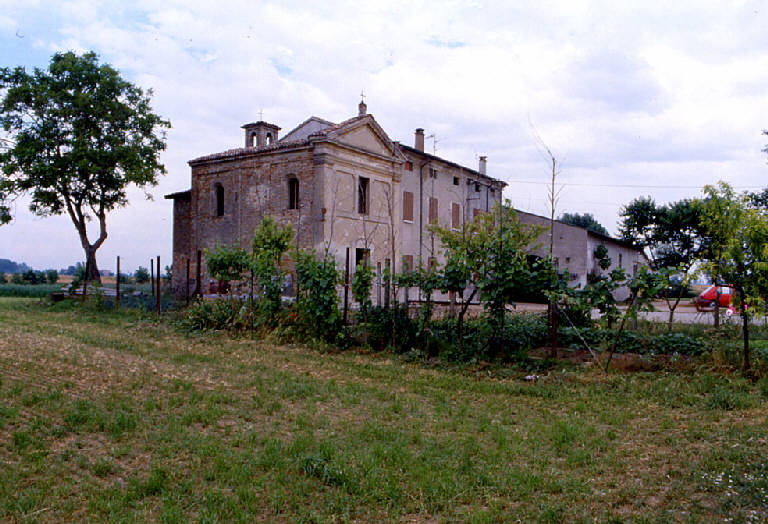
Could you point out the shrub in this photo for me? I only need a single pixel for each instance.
(380, 328)
(213, 315)
(633, 341)
(317, 303)
(521, 333)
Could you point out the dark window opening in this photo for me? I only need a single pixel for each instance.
(477, 188)
(293, 193)
(219, 200)
(493, 191)
(362, 195)
(620, 257)
(362, 256)
(409, 166)
(455, 181)
(269, 138)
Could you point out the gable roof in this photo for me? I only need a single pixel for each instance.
(306, 128)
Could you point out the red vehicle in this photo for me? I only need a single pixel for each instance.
(706, 299)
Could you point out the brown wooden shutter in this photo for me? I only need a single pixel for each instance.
(407, 262)
(432, 210)
(408, 206)
(475, 212)
(455, 215)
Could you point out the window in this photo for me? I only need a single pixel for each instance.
(432, 172)
(432, 210)
(219, 200)
(362, 195)
(269, 138)
(293, 193)
(455, 215)
(409, 166)
(407, 206)
(477, 187)
(493, 191)
(362, 256)
(620, 260)
(476, 212)
(407, 262)
(455, 181)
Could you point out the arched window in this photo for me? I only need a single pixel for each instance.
(254, 140)
(293, 193)
(269, 138)
(219, 200)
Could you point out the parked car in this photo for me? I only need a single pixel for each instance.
(706, 299)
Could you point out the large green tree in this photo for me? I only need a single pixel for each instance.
(78, 135)
(586, 220)
(672, 239)
(739, 251)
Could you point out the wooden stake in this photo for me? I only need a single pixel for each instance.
(117, 297)
(158, 284)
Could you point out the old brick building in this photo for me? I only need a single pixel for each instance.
(346, 187)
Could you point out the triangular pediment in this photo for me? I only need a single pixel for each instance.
(366, 134)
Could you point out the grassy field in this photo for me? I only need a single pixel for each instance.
(107, 417)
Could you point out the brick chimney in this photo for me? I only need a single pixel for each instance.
(481, 167)
(418, 142)
(260, 133)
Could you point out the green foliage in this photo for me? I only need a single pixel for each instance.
(215, 315)
(361, 285)
(318, 302)
(672, 236)
(381, 334)
(227, 263)
(52, 276)
(25, 290)
(586, 220)
(269, 244)
(633, 341)
(3, 279)
(485, 256)
(520, 333)
(141, 275)
(738, 252)
(80, 135)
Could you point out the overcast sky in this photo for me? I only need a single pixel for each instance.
(655, 100)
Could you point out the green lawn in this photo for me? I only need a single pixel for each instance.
(118, 417)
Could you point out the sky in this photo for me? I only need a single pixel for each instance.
(632, 100)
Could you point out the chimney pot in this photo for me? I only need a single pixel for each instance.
(419, 139)
(481, 167)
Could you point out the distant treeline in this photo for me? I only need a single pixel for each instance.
(9, 266)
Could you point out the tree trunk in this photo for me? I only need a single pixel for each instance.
(92, 269)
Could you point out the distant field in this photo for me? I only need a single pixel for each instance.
(107, 417)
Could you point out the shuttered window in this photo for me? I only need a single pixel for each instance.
(432, 210)
(407, 206)
(455, 215)
(475, 212)
(407, 262)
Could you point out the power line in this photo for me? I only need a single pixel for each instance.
(635, 186)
